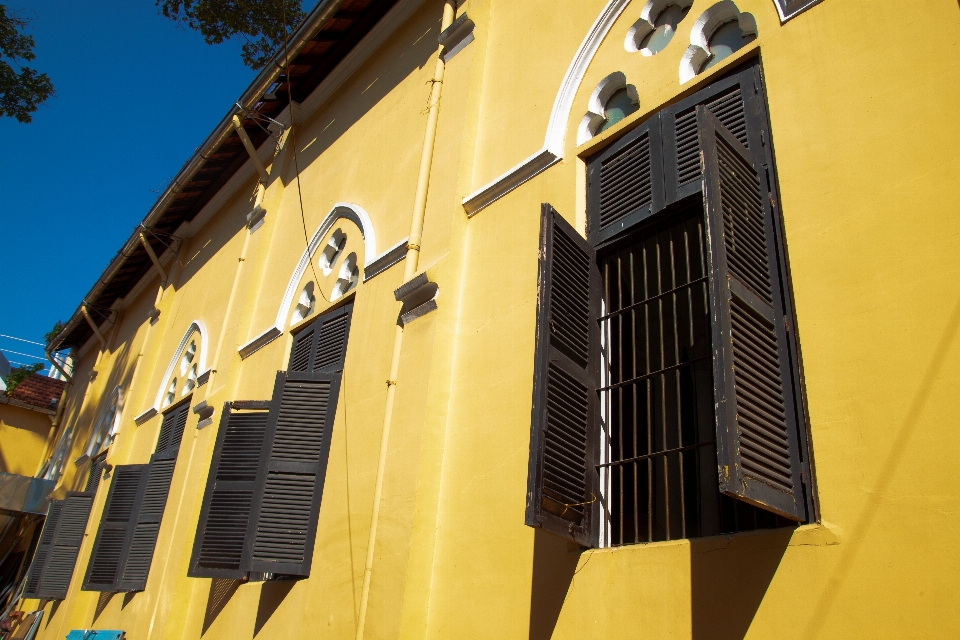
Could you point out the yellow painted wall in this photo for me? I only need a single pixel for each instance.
(23, 434)
(861, 97)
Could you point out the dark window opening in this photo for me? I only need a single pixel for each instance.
(658, 465)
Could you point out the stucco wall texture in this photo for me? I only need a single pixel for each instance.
(862, 102)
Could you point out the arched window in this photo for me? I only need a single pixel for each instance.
(185, 372)
(59, 457)
(106, 426)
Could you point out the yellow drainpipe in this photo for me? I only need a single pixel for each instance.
(411, 264)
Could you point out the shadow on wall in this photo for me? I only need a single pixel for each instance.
(102, 602)
(272, 595)
(554, 563)
(220, 593)
(53, 610)
(341, 113)
(127, 599)
(728, 581)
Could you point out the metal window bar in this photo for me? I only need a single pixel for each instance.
(658, 465)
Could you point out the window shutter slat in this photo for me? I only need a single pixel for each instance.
(143, 542)
(225, 512)
(733, 102)
(625, 182)
(96, 472)
(62, 558)
(331, 341)
(562, 477)
(43, 548)
(758, 452)
(290, 486)
(116, 528)
(171, 430)
(321, 346)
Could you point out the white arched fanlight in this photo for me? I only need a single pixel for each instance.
(107, 424)
(613, 88)
(186, 366)
(719, 31)
(657, 25)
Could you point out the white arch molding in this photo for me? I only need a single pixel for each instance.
(197, 326)
(356, 214)
(552, 150)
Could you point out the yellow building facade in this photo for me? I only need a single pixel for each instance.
(402, 198)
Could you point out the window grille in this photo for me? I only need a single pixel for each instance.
(658, 462)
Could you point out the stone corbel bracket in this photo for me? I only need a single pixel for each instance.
(205, 412)
(457, 36)
(419, 297)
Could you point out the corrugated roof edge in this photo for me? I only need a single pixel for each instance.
(312, 24)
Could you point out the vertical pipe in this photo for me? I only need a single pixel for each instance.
(412, 264)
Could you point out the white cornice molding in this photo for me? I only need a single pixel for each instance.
(555, 138)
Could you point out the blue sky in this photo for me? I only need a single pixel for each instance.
(136, 94)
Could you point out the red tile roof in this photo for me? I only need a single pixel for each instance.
(39, 391)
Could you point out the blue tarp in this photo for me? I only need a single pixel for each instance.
(94, 634)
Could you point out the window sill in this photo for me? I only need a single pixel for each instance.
(821, 534)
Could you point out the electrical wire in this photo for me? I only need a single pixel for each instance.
(293, 133)
(39, 344)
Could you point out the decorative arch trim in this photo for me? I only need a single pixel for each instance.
(352, 212)
(356, 214)
(195, 326)
(597, 115)
(703, 29)
(552, 150)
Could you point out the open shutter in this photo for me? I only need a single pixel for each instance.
(116, 528)
(225, 512)
(321, 346)
(562, 478)
(290, 486)
(62, 558)
(758, 453)
(625, 182)
(142, 543)
(43, 549)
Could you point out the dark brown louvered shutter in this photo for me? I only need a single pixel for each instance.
(758, 453)
(321, 345)
(625, 182)
(734, 102)
(290, 485)
(62, 558)
(141, 545)
(562, 487)
(225, 511)
(96, 472)
(43, 549)
(116, 528)
(172, 428)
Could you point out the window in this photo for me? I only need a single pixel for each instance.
(59, 457)
(262, 500)
(106, 426)
(667, 394)
(59, 544)
(127, 536)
